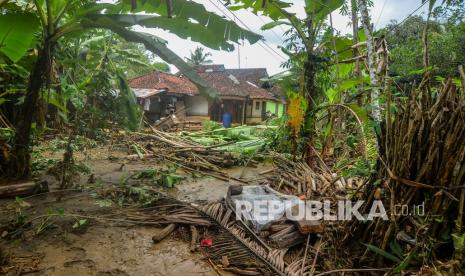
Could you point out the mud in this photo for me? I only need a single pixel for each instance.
(100, 249)
(115, 251)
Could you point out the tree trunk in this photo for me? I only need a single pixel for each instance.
(20, 166)
(309, 122)
(425, 43)
(376, 112)
(355, 52)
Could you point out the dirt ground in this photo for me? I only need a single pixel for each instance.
(106, 249)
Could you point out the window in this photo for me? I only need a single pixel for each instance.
(257, 105)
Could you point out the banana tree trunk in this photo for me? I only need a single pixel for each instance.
(20, 165)
(376, 111)
(355, 52)
(310, 96)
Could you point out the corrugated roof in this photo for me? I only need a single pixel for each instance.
(146, 92)
(209, 68)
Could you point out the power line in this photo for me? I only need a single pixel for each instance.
(393, 27)
(245, 25)
(277, 36)
(380, 14)
(225, 14)
(405, 19)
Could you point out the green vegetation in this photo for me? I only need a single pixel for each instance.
(383, 108)
(198, 57)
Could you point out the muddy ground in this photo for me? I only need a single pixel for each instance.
(104, 248)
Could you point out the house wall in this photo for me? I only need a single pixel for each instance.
(256, 112)
(281, 110)
(254, 115)
(231, 106)
(153, 113)
(196, 105)
(275, 108)
(197, 118)
(253, 121)
(271, 107)
(248, 109)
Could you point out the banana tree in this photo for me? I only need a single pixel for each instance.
(307, 30)
(56, 19)
(376, 110)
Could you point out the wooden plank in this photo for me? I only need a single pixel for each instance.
(309, 226)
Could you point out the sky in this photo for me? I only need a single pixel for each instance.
(269, 55)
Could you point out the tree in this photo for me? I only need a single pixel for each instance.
(57, 19)
(88, 69)
(446, 50)
(198, 57)
(307, 30)
(371, 51)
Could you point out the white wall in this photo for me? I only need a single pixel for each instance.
(257, 112)
(196, 106)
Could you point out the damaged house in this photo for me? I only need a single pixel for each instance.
(241, 93)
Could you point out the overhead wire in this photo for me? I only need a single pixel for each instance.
(405, 19)
(380, 14)
(227, 16)
(393, 27)
(245, 25)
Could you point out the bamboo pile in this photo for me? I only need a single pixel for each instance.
(165, 211)
(297, 178)
(422, 154)
(185, 154)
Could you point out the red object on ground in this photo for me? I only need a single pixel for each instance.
(206, 242)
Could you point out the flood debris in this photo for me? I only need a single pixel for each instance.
(20, 265)
(165, 232)
(297, 178)
(183, 153)
(246, 196)
(24, 189)
(239, 139)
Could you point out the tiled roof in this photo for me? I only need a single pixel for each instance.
(253, 75)
(161, 80)
(228, 82)
(278, 93)
(225, 84)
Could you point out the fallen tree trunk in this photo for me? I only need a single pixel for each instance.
(23, 189)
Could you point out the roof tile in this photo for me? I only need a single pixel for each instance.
(228, 82)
